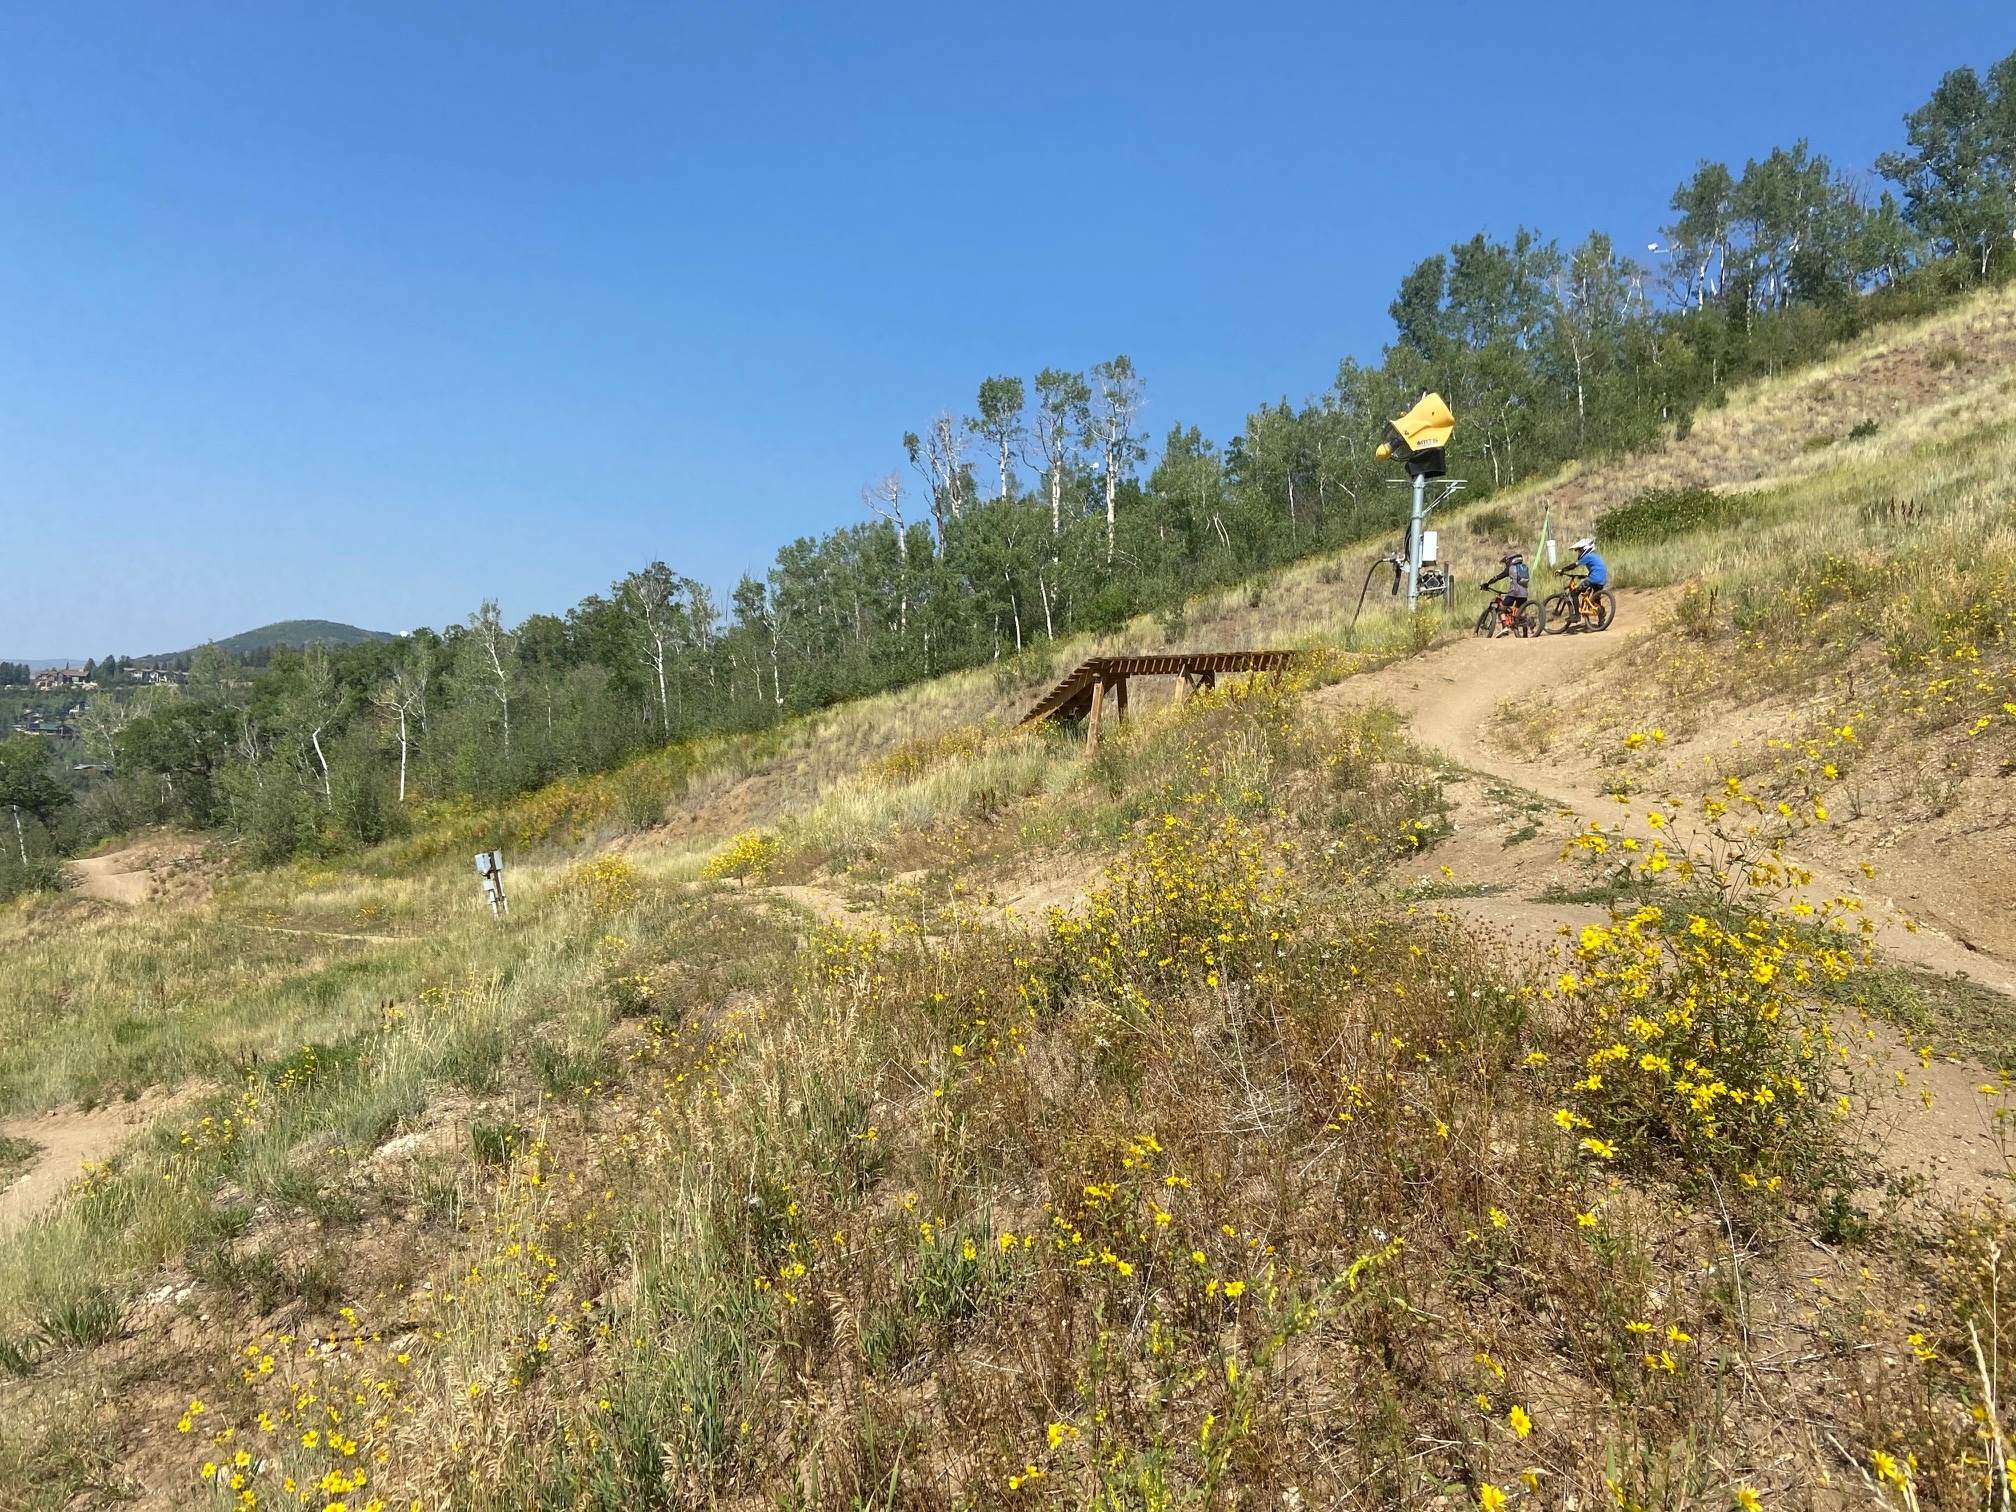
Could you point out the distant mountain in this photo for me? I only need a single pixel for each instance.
(290, 633)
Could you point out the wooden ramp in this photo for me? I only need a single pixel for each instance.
(1083, 694)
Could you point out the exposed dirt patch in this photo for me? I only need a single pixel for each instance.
(148, 871)
(1028, 895)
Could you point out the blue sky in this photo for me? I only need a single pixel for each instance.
(368, 312)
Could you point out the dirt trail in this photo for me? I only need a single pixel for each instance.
(1930, 1122)
(129, 874)
(107, 877)
(1450, 695)
(69, 1139)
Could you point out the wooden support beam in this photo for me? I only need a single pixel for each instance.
(1092, 719)
(1120, 689)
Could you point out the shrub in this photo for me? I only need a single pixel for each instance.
(1496, 523)
(1699, 1052)
(913, 758)
(1660, 514)
(751, 856)
(40, 875)
(608, 884)
(495, 1143)
(83, 1321)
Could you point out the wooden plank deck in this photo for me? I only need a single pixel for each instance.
(1082, 693)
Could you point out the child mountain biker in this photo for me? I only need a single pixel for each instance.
(1588, 589)
(1596, 573)
(1514, 575)
(1508, 607)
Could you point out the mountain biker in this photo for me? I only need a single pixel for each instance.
(1596, 573)
(1514, 575)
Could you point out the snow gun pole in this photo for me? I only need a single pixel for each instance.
(1419, 439)
(1414, 544)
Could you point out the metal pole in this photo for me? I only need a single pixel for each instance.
(1414, 545)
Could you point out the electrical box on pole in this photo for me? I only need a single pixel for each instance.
(490, 867)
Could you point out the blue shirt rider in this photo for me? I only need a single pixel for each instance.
(1592, 564)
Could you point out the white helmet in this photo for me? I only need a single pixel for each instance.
(1587, 543)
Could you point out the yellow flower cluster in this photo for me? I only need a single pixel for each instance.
(751, 855)
(320, 1419)
(1699, 1045)
(1197, 898)
(608, 884)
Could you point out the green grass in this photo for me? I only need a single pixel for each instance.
(1953, 1014)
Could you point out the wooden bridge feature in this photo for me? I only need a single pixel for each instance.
(1083, 694)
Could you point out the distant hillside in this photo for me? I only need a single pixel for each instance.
(291, 633)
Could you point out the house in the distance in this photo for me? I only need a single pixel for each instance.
(50, 678)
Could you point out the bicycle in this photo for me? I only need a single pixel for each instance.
(1507, 616)
(1578, 607)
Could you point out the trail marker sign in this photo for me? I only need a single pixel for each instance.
(490, 867)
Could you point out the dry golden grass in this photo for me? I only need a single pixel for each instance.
(1243, 1184)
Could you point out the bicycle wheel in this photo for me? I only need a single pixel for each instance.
(1606, 608)
(1528, 622)
(1487, 620)
(1558, 614)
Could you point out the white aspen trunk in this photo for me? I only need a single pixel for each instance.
(20, 839)
(1112, 488)
(1048, 632)
(402, 753)
(315, 739)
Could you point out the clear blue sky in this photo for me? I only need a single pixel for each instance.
(370, 311)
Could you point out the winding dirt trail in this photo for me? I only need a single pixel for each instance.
(1449, 697)
(1927, 1121)
(69, 1140)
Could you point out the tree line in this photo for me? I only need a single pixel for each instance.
(1034, 513)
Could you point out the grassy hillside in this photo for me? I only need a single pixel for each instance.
(900, 1109)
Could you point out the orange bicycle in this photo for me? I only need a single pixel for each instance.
(1579, 606)
(1508, 616)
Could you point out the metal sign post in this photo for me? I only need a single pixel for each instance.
(490, 867)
